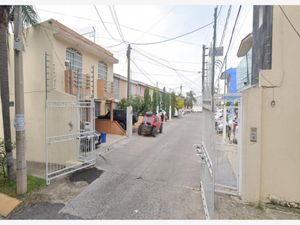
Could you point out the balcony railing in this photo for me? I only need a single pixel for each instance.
(105, 89)
(77, 84)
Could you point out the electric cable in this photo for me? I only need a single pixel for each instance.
(290, 22)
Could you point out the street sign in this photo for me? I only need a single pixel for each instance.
(218, 52)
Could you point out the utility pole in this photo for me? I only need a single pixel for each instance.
(203, 68)
(19, 108)
(181, 90)
(129, 112)
(213, 60)
(128, 72)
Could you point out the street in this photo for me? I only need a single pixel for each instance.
(146, 177)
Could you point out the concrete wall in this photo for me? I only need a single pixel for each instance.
(251, 151)
(123, 89)
(271, 166)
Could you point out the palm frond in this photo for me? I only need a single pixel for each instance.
(30, 16)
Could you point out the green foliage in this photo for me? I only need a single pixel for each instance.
(30, 16)
(147, 101)
(137, 104)
(122, 104)
(179, 102)
(9, 187)
(154, 100)
(166, 102)
(173, 103)
(190, 99)
(2, 160)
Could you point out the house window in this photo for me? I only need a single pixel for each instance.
(75, 59)
(97, 109)
(117, 88)
(102, 71)
(260, 16)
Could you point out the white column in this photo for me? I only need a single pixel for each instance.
(129, 121)
(224, 121)
(170, 112)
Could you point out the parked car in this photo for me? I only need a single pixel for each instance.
(119, 115)
(151, 125)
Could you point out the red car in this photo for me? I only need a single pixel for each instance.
(151, 125)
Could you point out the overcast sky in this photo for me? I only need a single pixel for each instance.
(151, 23)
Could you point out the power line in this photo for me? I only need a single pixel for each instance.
(124, 26)
(161, 74)
(170, 67)
(232, 32)
(166, 60)
(173, 38)
(104, 23)
(181, 76)
(225, 26)
(116, 21)
(290, 22)
(159, 20)
(143, 72)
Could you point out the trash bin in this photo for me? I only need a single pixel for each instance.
(103, 137)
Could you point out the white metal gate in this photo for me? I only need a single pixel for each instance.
(228, 143)
(69, 131)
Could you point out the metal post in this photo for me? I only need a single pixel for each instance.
(224, 121)
(129, 121)
(93, 81)
(203, 68)
(128, 73)
(19, 109)
(213, 59)
(240, 144)
(46, 118)
(181, 90)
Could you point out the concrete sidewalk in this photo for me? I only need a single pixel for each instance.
(110, 140)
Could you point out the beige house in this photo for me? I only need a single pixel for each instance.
(271, 143)
(61, 61)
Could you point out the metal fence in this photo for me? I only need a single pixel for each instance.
(227, 143)
(70, 137)
(69, 129)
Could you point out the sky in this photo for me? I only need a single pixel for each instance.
(161, 63)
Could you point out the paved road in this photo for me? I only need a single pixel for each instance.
(147, 178)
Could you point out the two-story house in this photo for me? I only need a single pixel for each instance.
(63, 71)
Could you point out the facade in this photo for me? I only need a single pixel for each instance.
(59, 60)
(120, 86)
(230, 78)
(137, 87)
(270, 159)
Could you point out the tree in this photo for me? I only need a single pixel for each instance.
(179, 102)
(190, 99)
(147, 100)
(165, 101)
(154, 101)
(29, 18)
(173, 103)
(122, 104)
(137, 104)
